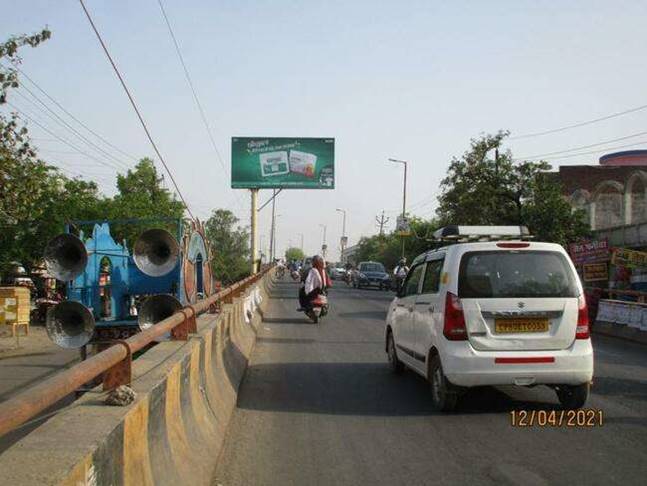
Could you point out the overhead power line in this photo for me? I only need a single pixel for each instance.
(76, 119)
(65, 141)
(61, 122)
(134, 105)
(574, 149)
(580, 124)
(599, 151)
(203, 115)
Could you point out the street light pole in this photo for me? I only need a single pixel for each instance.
(343, 233)
(404, 193)
(323, 244)
(301, 235)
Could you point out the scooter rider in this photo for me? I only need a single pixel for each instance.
(400, 272)
(316, 282)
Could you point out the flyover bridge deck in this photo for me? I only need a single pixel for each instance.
(318, 405)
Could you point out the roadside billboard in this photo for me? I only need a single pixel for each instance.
(282, 163)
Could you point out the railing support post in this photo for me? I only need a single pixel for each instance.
(121, 373)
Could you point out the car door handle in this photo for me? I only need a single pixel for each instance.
(431, 308)
(410, 308)
(400, 305)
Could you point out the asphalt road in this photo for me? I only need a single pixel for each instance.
(319, 406)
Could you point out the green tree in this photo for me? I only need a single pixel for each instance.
(229, 242)
(141, 195)
(480, 189)
(387, 249)
(9, 51)
(294, 253)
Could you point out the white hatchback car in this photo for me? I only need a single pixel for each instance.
(493, 313)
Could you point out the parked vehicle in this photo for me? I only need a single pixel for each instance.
(337, 273)
(371, 274)
(492, 313)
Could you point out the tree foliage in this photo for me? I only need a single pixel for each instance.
(294, 253)
(229, 242)
(141, 195)
(387, 249)
(9, 51)
(480, 189)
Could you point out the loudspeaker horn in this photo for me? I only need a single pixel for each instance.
(70, 324)
(156, 252)
(157, 308)
(65, 257)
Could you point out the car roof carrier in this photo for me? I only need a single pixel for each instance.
(462, 234)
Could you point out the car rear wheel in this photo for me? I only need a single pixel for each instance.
(573, 397)
(397, 366)
(443, 394)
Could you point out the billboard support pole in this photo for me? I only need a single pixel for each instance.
(273, 228)
(254, 228)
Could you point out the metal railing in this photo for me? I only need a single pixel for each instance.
(114, 363)
(640, 296)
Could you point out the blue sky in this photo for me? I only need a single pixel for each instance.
(412, 80)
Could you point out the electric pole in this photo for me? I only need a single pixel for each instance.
(381, 222)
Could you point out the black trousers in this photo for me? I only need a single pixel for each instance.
(305, 300)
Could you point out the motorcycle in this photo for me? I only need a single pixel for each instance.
(348, 278)
(319, 308)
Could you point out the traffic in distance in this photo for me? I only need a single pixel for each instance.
(487, 307)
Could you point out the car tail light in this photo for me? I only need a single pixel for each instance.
(513, 245)
(454, 328)
(583, 326)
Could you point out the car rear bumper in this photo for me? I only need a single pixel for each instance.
(465, 366)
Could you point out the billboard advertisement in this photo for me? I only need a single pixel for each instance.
(282, 163)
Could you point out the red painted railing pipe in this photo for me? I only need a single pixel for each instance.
(28, 404)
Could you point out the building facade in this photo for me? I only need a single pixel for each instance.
(612, 194)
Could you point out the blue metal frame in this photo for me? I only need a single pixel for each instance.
(126, 279)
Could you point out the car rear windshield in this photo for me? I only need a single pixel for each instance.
(514, 273)
(371, 267)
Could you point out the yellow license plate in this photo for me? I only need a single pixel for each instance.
(509, 326)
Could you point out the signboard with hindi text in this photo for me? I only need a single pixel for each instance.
(595, 272)
(629, 258)
(282, 163)
(592, 251)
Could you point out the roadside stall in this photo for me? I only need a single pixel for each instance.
(615, 281)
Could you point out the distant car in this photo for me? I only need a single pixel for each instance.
(371, 274)
(337, 273)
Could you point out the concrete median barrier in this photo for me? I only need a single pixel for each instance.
(174, 430)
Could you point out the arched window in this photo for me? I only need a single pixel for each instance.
(581, 200)
(637, 202)
(608, 200)
(199, 277)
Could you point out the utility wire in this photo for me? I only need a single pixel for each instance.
(61, 122)
(134, 105)
(576, 125)
(582, 147)
(195, 94)
(66, 142)
(62, 108)
(598, 151)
